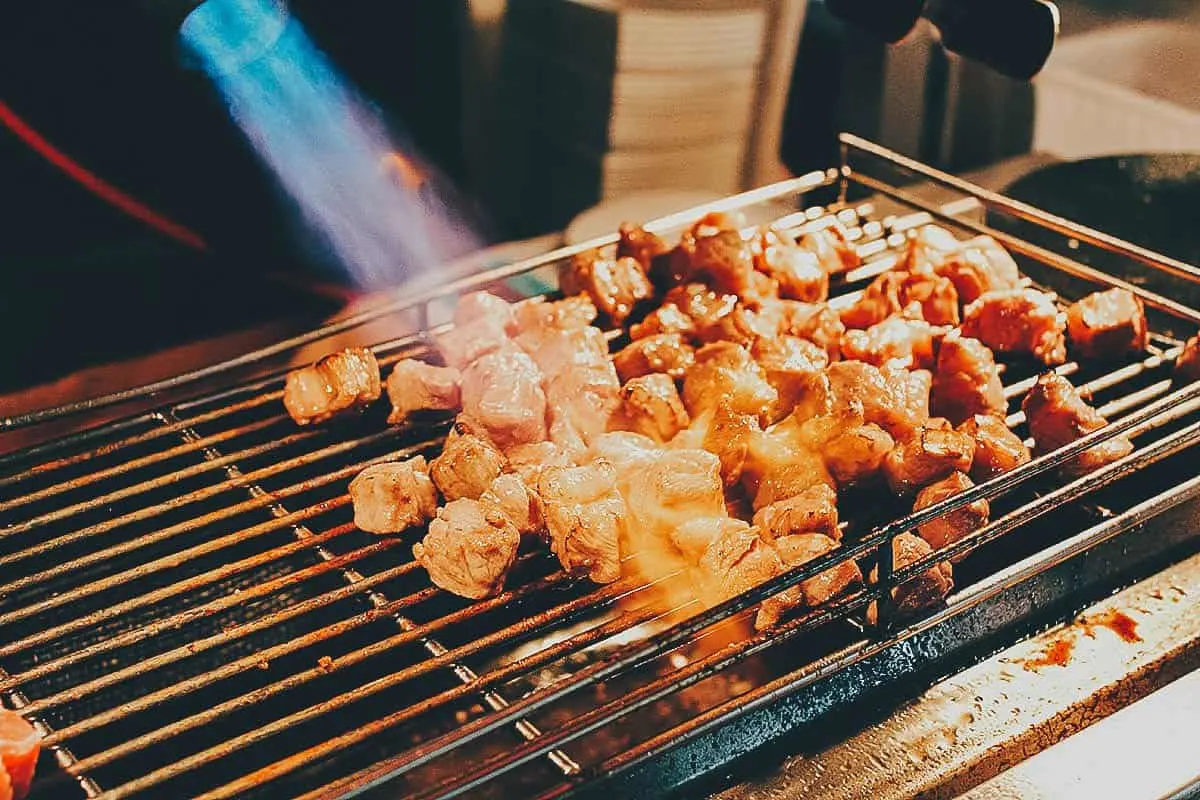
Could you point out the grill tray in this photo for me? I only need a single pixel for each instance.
(191, 611)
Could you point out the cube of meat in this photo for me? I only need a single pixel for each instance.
(725, 372)
(650, 405)
(788, 361)
(856, 453)
(615, 284)
(1107, 324)
(895, 399)
(833, 250)
(927, 589)
(585, 518)
(955, 525)
(967, 381)
(467, 464)
(785, 461)
(812, 511)
(728, 434)
(502, 397)
(997, 448)
(737, 561)
(879, 301)
(20, 744)
(582, 401)
(816, 322)
(485, 305)
(393, 497)
(976, 266)
(678, 486)
(667, 318)
(338, 383)
(537, 315)
(528, 460)
(1017, 321)
(797, 271)
(900, 340)
(510, 495)
(639, 244)
(482, 324)
(742, 325)
(935, 294)
(469, 549)
(667, 353)
(1187, 366)
(704, 306)
(932, 453)
(693, 537)
(1057, 416)
(927, 249)
(724, 262)
(416, 386)
(822, 587)
(556, 351)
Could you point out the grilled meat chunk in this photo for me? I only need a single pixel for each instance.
(824, 586)
(467, 464)
(650, 405)
(974, 267)
(667, 353)
(816, 322)
(510, 495)
(879, 301)
(927, 249)
(797, 271)
(1017, 321)
(667, 318)
(895, 399)
(502, 397)
(393, 497)
(955, 525)
(856, 453)
(935, 294)
(1057, 416)
(833, 250)
(933, 452)
(585, 518)
(812, 511)
(693, 537)
(723, 261)
(738, 560)
(482, 324)
(788, 362)
(338, 383)
(997, 448)
(1107, 324)
(899, 340)
(927, 589)
(537, 315)
(640, 244)
(469, 549)
(1187, 366)
(704, 306)
(416, 386)
(668, 491)
(725, 372)
(615, 284)
(967, 381)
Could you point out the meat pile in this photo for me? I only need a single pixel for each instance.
(732, 417)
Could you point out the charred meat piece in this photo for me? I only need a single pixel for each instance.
(1187, 366)
(737, 561)
(416, 386)
(1107, 324)
(1017, 321)
(955, 525)
(640, 244)
(20, 744)
(927, 589)
(997, 448)
(812, 511)
(1057, 416)
(816, 322)
(967, 381)
(928, 249)
(724, 261)
(502, 397)
(338, 383)
(895, 399)
(935, 294)
(467, 464)
(899, 340)
(705, 307)
(788, 361)
(615, 284)
(537, 315)
(725, 372)
(933, 452)
(393, 497)
(822, 587)
(741, 326)
(797, 271)
(879, 301)
(469, 549)
(585, 518)
(667, 353)
(650, 405)
(510, 495)
(856, 453)
(667, 318)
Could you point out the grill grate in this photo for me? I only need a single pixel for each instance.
(192, 610)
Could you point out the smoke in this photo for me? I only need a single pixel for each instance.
(329, 149)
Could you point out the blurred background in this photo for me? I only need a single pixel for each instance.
(136, 215)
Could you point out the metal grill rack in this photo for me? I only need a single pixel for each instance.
(190, 611)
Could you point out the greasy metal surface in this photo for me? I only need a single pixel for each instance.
(191, 606)
(976, 724)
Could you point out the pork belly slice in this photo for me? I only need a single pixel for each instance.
(1187, 366)
(951, 527)
(1107, 324)
(414, 386)
(615, 283)
(933, 452)
(467, 464)
(902, 340)
(469, 549)
(966, 381)
(812, 511)
(502, 398)
(1057, 416)
(667, 353)
(585, 518)
(336, 384)
(926, 590)
(393, 497)
(650, 405)
(1023, 321)
(997, 448)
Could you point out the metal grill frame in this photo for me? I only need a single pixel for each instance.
(662, 762)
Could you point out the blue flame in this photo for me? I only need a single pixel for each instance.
(326, 145)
